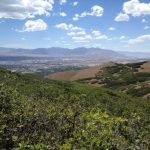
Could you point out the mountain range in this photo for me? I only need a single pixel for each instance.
(57, 51)
(82, 53)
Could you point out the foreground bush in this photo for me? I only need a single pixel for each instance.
(66, 124)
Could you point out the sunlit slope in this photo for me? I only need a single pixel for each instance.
(81, 74)
(132, 78)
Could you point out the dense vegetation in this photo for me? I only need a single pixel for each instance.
(40, 114)
(124, 77)
(121, 75)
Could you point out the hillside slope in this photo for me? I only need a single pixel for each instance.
(81, 74)
(40, 114)
(132, 78)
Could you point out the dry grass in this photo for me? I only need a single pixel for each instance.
(81, 74)
(145, 67)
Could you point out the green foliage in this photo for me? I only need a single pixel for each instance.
(125, 77)
(39, 114)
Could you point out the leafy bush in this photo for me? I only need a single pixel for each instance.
(39, 114)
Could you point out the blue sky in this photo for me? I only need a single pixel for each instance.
(122, 25)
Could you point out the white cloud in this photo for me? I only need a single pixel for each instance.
(31, 26)
(143, 21)
(146, 27)
(82, 38)
(73, 28)
(62, 2)
(22, 9)
(62, 26)
(76, 17)
(140, 39)
(75, 3)
(98, 35)
(101, 37)
(79, 33)
(65, 26)
(81, 41)
(136, 8)
(71, 34)
(63, 14)
(122, 37)
(111, 29)
(122, 17)
(23, 39)
(96, 11)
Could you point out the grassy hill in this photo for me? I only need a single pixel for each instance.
(132, 78)
(79, 74)
(41, 114)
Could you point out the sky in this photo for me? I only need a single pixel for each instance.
(121, 25)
